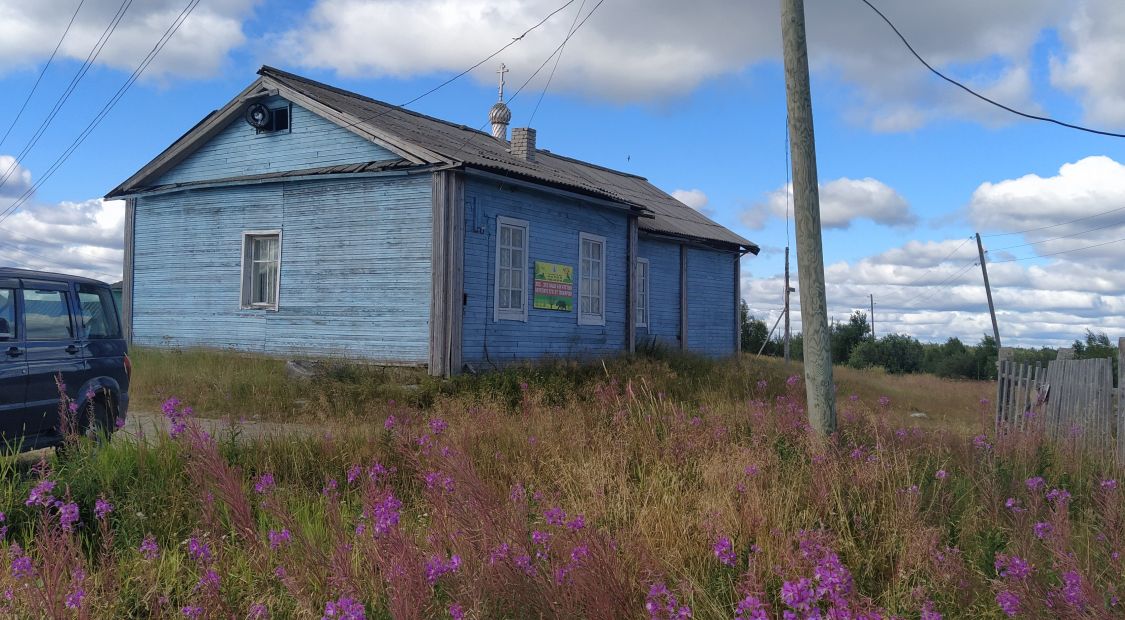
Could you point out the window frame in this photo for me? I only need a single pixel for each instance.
(508, 314)
(15, 333)
(245, 289)
(109, 311)
(69, 300)
(589, 318)
(642, 299)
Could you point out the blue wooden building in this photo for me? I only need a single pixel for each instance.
(302, 219)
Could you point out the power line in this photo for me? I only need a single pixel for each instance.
(924, 296)
(1085, 217)
(1085, 247)
(528, 80)
(1030, 243)
(974, 93)
(550, 77)
(939, 263)
(172, 29)
(41, 73)
(85, 68)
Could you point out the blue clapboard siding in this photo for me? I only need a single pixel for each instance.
(239, 150)
(555, 224)
(664, 293)
(355, 268)
(711, 297)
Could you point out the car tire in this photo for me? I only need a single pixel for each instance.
(99, 425)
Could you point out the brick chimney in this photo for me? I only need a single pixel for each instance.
(523, 143)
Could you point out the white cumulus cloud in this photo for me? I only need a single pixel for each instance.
(842, 202)
(695, 198)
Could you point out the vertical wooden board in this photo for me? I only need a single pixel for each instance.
(631, 286)
(437, 347)
(683, 298)
(127, 271)
(457, 273)
(738, 304)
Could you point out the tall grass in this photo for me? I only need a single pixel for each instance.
(654, 492)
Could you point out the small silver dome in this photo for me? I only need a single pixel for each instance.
(500, 113)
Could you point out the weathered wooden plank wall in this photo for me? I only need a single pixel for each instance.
(239, 150)
(355, 271)
(554, 225)
(663, 294)
(711, 294)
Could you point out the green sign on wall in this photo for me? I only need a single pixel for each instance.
(554, 287)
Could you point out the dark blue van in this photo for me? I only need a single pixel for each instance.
(51, 325)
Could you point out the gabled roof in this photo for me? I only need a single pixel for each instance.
(421, 139)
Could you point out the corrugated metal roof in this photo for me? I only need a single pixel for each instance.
(474, 148)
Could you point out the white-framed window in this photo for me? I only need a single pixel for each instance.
(511, 269)
(641, 303)
(591, 279)
(261, 268)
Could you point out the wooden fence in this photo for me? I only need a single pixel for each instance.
(1072, 399)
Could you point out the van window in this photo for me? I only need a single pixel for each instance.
(7, 314)
(45, 315)
(99, 318)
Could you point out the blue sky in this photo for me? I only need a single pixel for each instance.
(691, 98)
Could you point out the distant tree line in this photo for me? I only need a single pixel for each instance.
(852, 345)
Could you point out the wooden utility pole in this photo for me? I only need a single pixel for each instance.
(806, 210)
(787, 291)
(872, 296)
(988, 292)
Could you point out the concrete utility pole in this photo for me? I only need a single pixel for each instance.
(806, 210)
(872, 296)
(988, 291)
(787, 291)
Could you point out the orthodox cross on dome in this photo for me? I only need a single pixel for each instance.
(503, 69)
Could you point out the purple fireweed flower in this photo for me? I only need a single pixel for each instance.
(1058, 496)
(554, 516)
(762, 383)
(389, 423)
(68, 515)
(661, 604)
(1034, 484)
(264, 484)
(751, 608)
(210, 579)
(853, 397)
(1108, 485)
(579, 553)
(793, 380)
(799, 595)
(1012, 567)
(148, 547)
(1013, 504)
(279, 572)
(1072, 589)
(437, 567)
(499, 553)
(724, 550)
(329, 487)
(102, 509)
(981, 442)
(385, 514)
(941, 474)
(41, 494)
(577, 523)
(74, 599)
(524, 561)
(1009, 603)
(278, 538)
(751, 470)
(22, 567)
(1042, 529)
(539, 538)
(911, 490)
(192, 611)
(884, 401)
(353, 473)
(438, 426)
(258, 611)
(344, 608)
(517, 494)
(456, 612)
(928, 612)
(199, 550)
